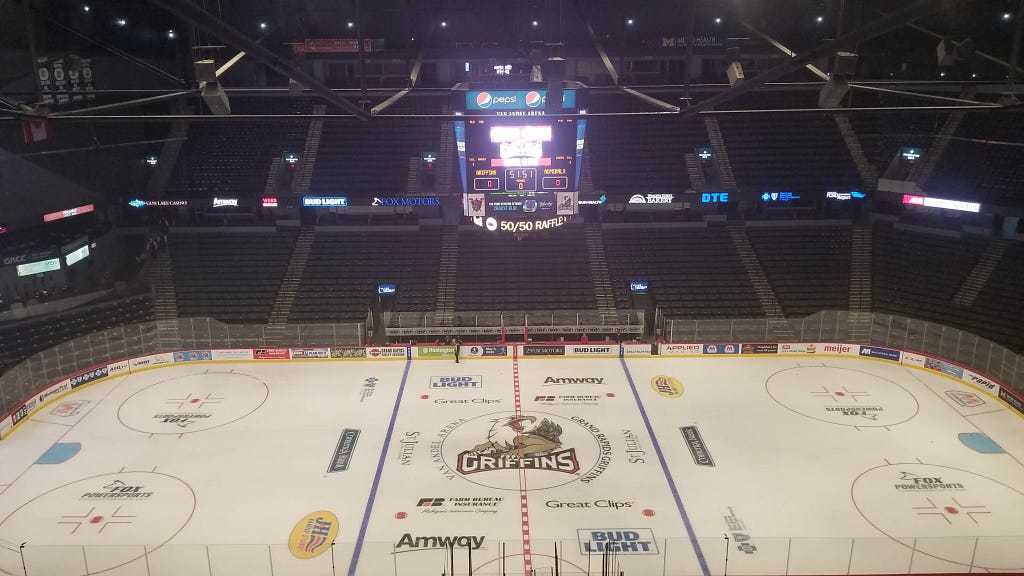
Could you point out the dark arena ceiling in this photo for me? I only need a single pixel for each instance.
(142, 53)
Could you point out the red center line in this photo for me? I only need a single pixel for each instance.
(524, 509)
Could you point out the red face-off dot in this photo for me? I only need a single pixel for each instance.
(194, 400)
(840, 394)
(95, 519)
(400, 515)
(610, 394)
(648, 512)
(952, 510)
(424, 397)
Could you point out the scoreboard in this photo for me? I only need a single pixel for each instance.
(520, 171)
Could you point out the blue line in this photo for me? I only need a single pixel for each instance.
(668, 475)
(376, 476)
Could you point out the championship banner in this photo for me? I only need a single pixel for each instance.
(60, 82)
(45, 79)
(87, 77)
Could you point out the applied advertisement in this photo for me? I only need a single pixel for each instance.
(192, 355)
(759, 349)
(487, 351)
(271, 353)
(535, 350)
(721, 348)
(684, 349)
(882, 353)
(233, 354)
(300, 353)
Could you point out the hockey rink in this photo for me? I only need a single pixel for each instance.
(683, 466)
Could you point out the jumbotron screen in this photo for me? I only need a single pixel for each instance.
(520, 170)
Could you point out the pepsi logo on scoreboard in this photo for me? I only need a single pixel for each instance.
(514, 99)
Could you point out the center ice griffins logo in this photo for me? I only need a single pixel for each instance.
(493, 450)
(520, 442)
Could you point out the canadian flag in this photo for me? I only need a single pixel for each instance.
(35, 130)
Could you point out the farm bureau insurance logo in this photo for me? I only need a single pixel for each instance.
(667, 386)
(490, 450)
(312, 535)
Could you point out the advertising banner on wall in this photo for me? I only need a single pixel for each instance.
(348, 352)
(233, 354)
(301, 353)
(271, 354)
(683, 349)
(882, 353)
(150, 361)
(387, 352)
(192, 355)
(533, 350)
(721, 348)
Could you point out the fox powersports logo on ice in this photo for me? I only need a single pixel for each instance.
(490, 450)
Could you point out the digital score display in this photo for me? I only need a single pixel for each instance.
(520, 165)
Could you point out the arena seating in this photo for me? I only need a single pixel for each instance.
(230, 276)
(998, 311)
(367, 159)
(975, 168)
(808, 267)
(639, 153)
(917, 274)
(693, 272)
(802, 153)
(19, 340)
(345, 268)
(232, 158)
(548, 271)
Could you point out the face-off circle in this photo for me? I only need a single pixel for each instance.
(842, 396)
(552, 450)
(193, 403)
(946, 513)
(126, 515)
